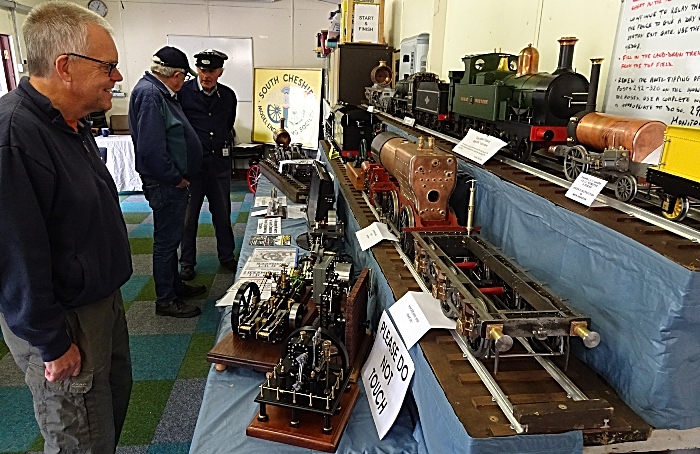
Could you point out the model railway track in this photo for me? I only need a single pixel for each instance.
(679, 242)
(489, 405)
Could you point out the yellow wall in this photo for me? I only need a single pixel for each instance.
(461, 27)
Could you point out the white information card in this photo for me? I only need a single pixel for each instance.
(408, 121)
(264, 201)
(386, 375)
(415, 313)
(270, 226)
(585, 189)
(369, 236)
(478, 147)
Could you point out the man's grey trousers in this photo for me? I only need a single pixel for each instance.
(82, 414)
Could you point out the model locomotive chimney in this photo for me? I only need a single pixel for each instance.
(593, 85)
(566, 55)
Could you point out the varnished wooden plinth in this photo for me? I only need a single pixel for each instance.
(251, 353)
(309, 433)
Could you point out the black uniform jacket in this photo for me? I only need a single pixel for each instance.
(212, 119)
(64, 243)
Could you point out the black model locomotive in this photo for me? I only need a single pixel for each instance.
(503, 95)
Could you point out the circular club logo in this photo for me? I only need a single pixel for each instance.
(290, 97)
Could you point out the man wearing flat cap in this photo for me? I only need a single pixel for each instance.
(168, 155)
(211, 109)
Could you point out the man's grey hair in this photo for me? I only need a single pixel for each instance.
(55, 28)
(166, 71)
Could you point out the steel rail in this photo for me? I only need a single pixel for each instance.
(487, 379)
(639, 213)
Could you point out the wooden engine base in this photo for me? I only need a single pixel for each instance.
(251, 353)
(309, 433)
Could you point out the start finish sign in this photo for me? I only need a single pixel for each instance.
(386, 375)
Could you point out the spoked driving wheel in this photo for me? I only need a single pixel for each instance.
(575, 162)
(523, 151)
(247, 295)
(680, 209)
(406, 220)
(252, 177)
(626, 188)
(390, 207)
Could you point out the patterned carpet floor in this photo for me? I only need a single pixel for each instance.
(168, 354)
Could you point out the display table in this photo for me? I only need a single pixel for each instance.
(120, 162)
(228, 404)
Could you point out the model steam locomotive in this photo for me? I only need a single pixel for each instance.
(493, 300)
(410, 184)
(503, 95)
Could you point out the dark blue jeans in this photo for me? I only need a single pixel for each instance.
(168, 204)
(217, 189)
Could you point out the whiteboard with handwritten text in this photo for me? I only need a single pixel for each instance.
(655, 67)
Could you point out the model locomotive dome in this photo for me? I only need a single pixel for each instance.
(528, 61)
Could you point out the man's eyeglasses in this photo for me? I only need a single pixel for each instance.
(188, 76)
(108, 65)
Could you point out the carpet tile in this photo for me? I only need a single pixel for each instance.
(209, 320)
(135, 218)
(10, 374)
(142, 320)
(133, 286)
(169, 448)
(193, 366)
(205, 230)
(19, 427)
(157, 356)
(142, 231)
(168, 354)
(141, 245)
(178, 420)
(148, 400)
(132, 449)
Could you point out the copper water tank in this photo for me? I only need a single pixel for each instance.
(639, 136)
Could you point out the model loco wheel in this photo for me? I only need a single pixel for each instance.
(242, 302)
(680, 209)
(626, 188)
(523, 151)
(575, 162)
(406, 220)
(479, 346)
(390, 207)
(252, 177)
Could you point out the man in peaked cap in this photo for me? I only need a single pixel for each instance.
(168, 155)
(211, 109)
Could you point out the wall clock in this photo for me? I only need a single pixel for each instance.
(98, 6)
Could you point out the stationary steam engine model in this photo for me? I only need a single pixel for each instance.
(315, 368)
(503, 95)
(270, 320)
(288, 166)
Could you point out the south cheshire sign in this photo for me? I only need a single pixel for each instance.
(292, 94)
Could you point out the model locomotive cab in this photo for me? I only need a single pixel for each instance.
(678, 172)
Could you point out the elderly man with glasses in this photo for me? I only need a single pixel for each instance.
(64, 242)
(168, 153)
